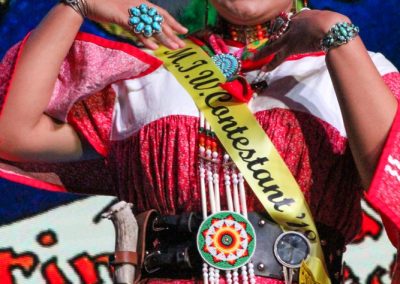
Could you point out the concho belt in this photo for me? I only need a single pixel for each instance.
(167, 248)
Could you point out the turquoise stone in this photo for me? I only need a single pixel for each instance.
(158, 18)
(146, 19)
(227, 63)
(135, 12)
(134, 20)
(143, 8)
(156, 27)
(343, 31)
(139, 27)
(152, 12)
(148, 31)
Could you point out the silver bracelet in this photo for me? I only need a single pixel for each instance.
(80, 6)
(339, 34)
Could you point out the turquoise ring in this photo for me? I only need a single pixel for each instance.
(145, 20)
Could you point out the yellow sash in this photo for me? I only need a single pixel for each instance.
(249, 147)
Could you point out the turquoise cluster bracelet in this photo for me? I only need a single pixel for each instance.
(339, 34)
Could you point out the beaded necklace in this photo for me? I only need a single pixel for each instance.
(242, 33)
(248, 34)
(254, 38)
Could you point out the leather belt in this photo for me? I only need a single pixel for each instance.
(123, 257)
(167, 247)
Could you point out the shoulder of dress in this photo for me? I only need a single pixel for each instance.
(87, 39)
(383, 65)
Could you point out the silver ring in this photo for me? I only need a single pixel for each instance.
(145, 20)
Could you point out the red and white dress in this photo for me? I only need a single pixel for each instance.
(145, 125)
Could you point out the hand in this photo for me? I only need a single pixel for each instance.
(304, 35)
(117, 12)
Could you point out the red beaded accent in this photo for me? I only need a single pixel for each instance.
(208, 143)
(247, 34)
(214, 146)
(202, 140)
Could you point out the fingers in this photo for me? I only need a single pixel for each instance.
(279, 48)
(279, 57)
(272, 47)
(174, 24)
(147, 42)
(169, 38)
(166, 37)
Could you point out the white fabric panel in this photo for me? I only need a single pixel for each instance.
(143, 100)
(301, 85)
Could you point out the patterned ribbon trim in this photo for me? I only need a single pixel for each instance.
(249, 147)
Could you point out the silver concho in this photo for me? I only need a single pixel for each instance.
(291, 248)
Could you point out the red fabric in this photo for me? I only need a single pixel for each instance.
(153, 62)
(319, 160)
(239, 88)
(30, 181)
(383, 193)
(85, 177)
(260, 280)
(157, 167)
(91, 65)
(7, 69)
(94, 124)
(392, 80)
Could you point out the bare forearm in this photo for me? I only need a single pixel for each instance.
(368, 106)
(39, 64)
(26, 132)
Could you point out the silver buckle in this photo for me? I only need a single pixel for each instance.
(291, 249)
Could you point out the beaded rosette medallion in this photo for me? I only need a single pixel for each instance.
(226, 240)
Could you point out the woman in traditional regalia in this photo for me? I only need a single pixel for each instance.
(328, 106)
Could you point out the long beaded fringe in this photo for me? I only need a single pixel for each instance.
(209, 165)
